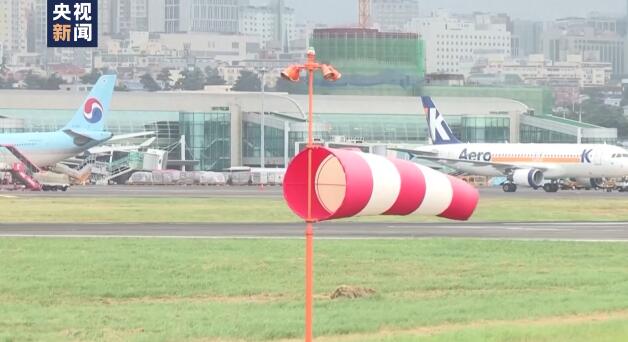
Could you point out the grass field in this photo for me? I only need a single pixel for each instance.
(230, 290)
(274, 210)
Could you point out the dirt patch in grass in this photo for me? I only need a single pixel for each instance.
(351, 292)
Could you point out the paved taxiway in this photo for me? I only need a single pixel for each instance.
(588, 231)
(268, 191)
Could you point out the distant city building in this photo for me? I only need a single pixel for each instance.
(37, 27)
(273, 25)
(595, 39)
(14, 25)
(526, 38)
(537, 70)
(221, 16)
(141, 50)
(104, 17)
(393, 15)
(454, 44)
(128, 15)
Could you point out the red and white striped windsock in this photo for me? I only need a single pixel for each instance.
(349, 183)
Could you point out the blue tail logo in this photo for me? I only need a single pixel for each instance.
(439, 131)
(90, 116)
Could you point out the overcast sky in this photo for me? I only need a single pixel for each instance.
(345, 11)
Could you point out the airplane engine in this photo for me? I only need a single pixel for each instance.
(528, 177)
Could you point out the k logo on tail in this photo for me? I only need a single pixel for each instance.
(439, 131)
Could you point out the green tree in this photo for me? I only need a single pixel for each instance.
(33, 81)
(248, 81)
(38, 82)
(121, 87)
(289, 87)
(149, 82)
(594, 111)
(213, 77)
(53, 82)
(164, 76)
(92, 77)
(3, 67)
(191, 80)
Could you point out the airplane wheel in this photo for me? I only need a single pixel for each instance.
(550, 187)
(509, 187)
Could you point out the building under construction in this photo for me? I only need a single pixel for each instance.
(385, 62)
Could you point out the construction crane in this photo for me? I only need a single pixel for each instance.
(364, 11)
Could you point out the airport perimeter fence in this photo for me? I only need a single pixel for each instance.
(175, 177)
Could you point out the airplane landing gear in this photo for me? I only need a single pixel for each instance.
(550, 187)
(509, 187)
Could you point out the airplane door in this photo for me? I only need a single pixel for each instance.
(597, 157)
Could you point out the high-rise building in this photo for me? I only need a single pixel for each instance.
(104, 17)
(214, 16)
(526, 38)
(455, 44)
(14, 17)
(219, 16)
(174, 19)
(129, 15)
(273, 24)
(595, 38)
(37, 27)
(5, 24)
(393, 15)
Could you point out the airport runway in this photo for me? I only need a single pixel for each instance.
(268, 191)
(585, 231)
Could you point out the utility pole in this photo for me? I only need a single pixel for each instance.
(182, 143)
(262, 149)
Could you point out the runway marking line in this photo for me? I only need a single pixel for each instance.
(330, 238)
(596, 317)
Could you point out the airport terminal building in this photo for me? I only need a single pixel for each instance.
(223, 129)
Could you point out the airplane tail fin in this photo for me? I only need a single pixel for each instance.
(90, 116)
(439, 131)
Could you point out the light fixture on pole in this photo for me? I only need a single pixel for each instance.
(292, 73)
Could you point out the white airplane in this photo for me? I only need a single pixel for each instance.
(84, 131)
(531, 165)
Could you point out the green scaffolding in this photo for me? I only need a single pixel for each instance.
(369, 52)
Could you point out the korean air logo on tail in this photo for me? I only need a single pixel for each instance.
(92, 110)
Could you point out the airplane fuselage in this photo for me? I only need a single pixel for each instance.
(46, 148)
(557, 160)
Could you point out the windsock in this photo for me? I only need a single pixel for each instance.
(348, 183)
